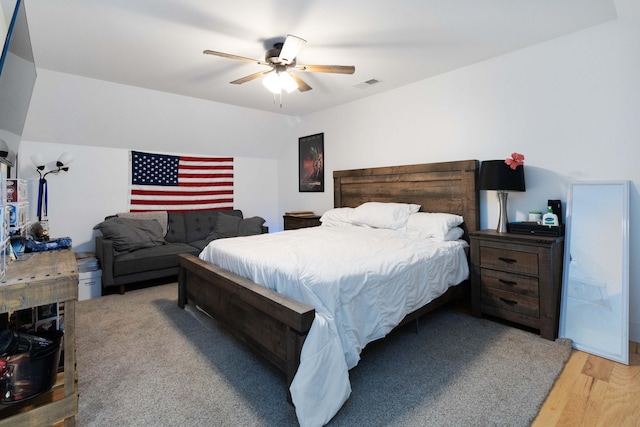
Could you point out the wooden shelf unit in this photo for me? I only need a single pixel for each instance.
(45, 278)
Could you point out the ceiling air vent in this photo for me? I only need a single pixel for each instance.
(367, 83)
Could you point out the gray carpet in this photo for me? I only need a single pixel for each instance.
(142, 361)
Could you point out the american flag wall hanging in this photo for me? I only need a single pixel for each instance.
(161, 182)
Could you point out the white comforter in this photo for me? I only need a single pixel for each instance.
(361, 282)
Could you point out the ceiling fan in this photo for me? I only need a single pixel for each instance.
(282, 59)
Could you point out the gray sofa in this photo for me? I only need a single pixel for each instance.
(133, 249)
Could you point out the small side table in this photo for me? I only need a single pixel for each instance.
(293, 222)
(45, 278)
(517, 278)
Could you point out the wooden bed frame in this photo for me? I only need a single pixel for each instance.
(275, 325)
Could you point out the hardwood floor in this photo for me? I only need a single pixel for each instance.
(593, 391)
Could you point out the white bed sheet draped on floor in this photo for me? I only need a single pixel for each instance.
(361, 281)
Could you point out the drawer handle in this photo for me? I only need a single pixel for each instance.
(508, 282)
(509, 302)
(508, 260)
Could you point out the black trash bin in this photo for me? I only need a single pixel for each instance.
(28, 364)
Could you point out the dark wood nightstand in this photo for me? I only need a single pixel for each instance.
(292, 222)
(517, 277)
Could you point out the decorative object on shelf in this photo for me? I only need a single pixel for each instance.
(39, 231)
(17, 205)
(503, 176)
(62, 165)
(18, 245)
(311, 163)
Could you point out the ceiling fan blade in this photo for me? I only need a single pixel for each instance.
(302, 85)
(339, 69)
(250, 77)
(290, 49)
(230, 56)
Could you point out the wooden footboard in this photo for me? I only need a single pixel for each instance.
(271, 323)
(276, 326)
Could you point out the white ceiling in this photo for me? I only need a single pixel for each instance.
(158, 44)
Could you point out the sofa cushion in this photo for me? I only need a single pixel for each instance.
(226, 226)
(148, 259)
(176, 229)
(160, 216)
(200, 224)
(201, 244)
(230, 226)
(129, 234)
(250, 226)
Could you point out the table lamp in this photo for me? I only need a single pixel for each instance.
(497, 175)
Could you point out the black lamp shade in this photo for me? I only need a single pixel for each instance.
(497, 175)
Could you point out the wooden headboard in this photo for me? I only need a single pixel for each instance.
(437, 187)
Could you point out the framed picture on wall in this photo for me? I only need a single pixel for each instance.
(311, 163)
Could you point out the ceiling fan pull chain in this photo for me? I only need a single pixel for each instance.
(274, 99)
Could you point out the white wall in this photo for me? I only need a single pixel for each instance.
(100, 122)
(569, 105)
(96, 185)
(68, 109)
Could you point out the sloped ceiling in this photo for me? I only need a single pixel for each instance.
(158, 44)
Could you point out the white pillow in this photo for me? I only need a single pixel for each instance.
(383, 215)
(432, 224)
(454, 234)
(337, 216)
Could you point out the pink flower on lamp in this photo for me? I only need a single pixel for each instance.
(516, 160)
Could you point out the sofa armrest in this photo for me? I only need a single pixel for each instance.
(105, 253)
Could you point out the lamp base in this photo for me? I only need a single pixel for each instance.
(503, 220)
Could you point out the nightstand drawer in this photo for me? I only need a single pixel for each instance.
(294, 222)
(506, 260)
(504, 300)
(523, 285)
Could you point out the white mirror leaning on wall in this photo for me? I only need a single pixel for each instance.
(595, 290)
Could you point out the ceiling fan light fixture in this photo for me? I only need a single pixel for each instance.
(276, 81)
(281, 58)
(272, 82)
(287, 82)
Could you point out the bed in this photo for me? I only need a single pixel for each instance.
(276, 325)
